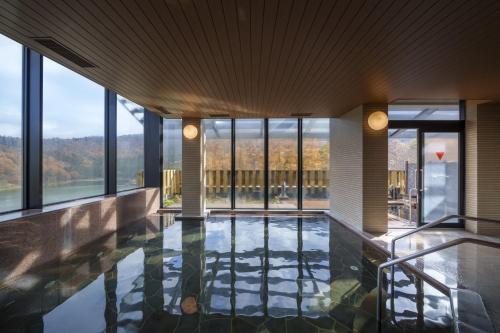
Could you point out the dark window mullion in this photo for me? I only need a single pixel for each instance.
(299, 165)
(32, 129)
(266, 163)
(110, 137)
(233, 164)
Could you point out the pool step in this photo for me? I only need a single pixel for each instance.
(469, 313)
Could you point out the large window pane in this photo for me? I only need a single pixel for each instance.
(249, 163)
(283, 163)
(316, 163)
(217, 162)
(129, 145)
(73, 135)
(432, 111)
(11, 71)
(172, 163)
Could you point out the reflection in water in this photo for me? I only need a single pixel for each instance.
(228, 274)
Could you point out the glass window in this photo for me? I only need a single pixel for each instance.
(217, 162)
(249, 163)
(73, 135)
(283, 163)
(172, 163)
(11, 154)
(129, 145)
(441, 175)
(316, 163)
(437, 111)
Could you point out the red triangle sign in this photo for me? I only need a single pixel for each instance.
(440, 154)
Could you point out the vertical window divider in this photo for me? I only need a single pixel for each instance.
(152, 136)
(110, 137)
(266, 164)
(32, 129)
(233, 164)
(299, 165)
(162, 199)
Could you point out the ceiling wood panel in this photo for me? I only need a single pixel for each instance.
(271, 58)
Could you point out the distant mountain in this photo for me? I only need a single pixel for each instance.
(71, 159)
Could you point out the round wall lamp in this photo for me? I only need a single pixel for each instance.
(378, 120)
(190, 132)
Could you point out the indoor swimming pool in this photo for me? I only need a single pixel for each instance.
(229, 274)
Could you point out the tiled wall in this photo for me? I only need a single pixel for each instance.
(193, 199)
(39, 237)
(346, 168)
(482, 188)
(375, 165)
(358, 170)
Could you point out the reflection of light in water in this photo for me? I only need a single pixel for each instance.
(82, 312)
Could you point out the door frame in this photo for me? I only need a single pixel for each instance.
(423, 126)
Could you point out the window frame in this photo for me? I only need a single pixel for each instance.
(266, 168)
(32, 136)
(104, 110)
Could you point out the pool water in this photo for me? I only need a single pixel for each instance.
(229, 274)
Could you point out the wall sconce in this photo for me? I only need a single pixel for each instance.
(378, 120)
(190, 132)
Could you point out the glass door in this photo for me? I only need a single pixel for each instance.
(440, 179)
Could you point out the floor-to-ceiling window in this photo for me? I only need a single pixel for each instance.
(129, 145)
(279, 138)
(11, 155)
(172, 163)
(217, 162)
(249, 163)
(315, 163)
(283, 157)
(73, 135)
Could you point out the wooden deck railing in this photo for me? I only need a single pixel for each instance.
(219, 181)
(397, 178)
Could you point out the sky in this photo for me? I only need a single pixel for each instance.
(73, 106)
(10, 87)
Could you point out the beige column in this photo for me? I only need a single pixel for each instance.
(193, 199)
(358, 170)
(482, 165)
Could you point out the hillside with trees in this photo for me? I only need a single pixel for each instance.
(67, 160)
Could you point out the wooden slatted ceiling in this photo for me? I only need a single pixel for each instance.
(271, 58)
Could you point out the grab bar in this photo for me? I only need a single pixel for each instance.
(433, 249)
(432, 224)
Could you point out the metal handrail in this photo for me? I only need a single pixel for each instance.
(433, 249)
(435, 223)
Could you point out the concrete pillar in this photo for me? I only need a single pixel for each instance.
(358, 170)
(482, 165)
(193, 189)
